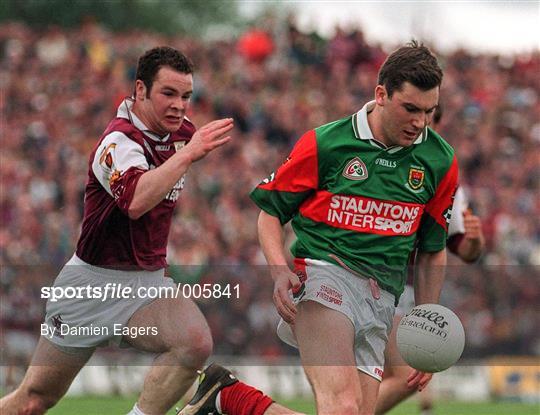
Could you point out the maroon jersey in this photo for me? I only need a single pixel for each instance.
(109, 238)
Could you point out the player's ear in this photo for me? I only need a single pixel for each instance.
(140, 90)
(380, 95)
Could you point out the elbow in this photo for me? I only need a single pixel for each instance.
(134, 215)
(470, 253)
(135, 212)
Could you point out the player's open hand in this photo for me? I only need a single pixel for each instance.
(209, 137)
(472, 225)
(418, 380)
(284, 280)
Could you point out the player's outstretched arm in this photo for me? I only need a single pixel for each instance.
(156, 183)
(472, 244)
(429, 276)
(272, 245)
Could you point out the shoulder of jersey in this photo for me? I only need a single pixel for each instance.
(334, 133)
(187, 129)
(435, 143)
(119, 129)
(334, 126)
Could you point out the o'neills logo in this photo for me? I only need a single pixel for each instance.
(431, 316)
(355, 170)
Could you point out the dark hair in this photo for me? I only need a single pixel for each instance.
(154, 59)
(412, 63)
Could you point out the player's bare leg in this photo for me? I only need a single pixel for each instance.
(370, 390)
(184, 341)
(47, 379)
(326, 340)
(394, 387)
(277, 409)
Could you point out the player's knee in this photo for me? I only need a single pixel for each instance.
(198, 348)
(346, 407)
(37, 404)
(342, 402)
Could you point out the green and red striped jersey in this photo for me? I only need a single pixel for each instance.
(350, 196)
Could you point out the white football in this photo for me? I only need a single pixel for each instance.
(430, 338)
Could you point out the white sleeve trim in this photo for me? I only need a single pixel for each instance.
(456, 225)
(117, 153)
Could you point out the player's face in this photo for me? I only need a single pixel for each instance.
(164, 109)
(405, 115)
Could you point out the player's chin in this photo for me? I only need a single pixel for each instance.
(172, 124)
(408, 139)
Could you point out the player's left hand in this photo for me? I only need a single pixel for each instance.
(418, 380)
(472, 225)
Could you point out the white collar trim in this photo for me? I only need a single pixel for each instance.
(363, 132)
(125, 111)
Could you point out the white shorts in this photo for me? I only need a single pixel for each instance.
(343, 291)
(406, 301)
(96, 322)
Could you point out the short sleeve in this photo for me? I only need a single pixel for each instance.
(433, 230)
(118, 164)
(295, 180)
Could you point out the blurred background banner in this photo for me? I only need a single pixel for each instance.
(278, 70)
(513, 377)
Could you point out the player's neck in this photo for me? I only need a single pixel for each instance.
(375, 125)
(141, 114)
(137, 111)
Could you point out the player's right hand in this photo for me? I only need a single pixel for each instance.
(209, 137)
(284, 280)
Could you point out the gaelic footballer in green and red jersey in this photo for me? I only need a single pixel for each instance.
(350, 196)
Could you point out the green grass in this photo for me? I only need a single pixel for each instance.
(117, 405)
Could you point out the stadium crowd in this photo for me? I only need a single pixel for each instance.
(60, 88)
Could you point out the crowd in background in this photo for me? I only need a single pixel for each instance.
(59, 89)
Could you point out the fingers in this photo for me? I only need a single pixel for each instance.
(218, 123)
(213, 132)
(210, 137)
(414, 378)
(424, 381)
(473, 227)
(217, 128)
(418, 380)
(294, 280)
(220, 129)
(284, 306)
(282, 299)
(221, 141)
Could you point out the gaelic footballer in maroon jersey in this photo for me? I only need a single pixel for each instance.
(109, 238)
(135, 175)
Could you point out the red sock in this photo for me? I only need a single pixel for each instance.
(242, 399)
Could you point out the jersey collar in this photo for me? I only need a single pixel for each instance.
(363, 132)
(125, 111)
